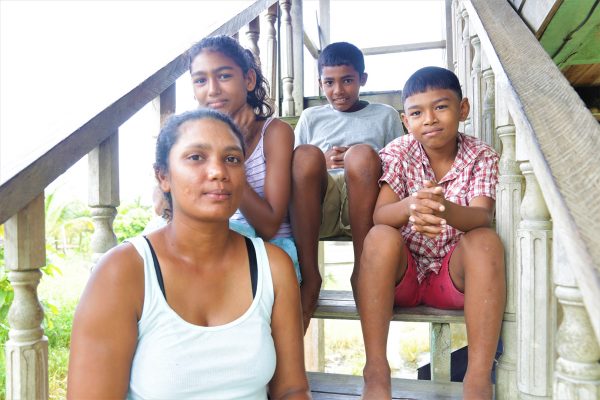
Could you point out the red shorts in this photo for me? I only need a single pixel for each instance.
(436, 290)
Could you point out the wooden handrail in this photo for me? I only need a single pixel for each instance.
(30, 181)
(562, 137)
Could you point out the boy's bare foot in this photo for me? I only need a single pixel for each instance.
(378, 383)
(477, 388)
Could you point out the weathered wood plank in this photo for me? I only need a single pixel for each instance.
(339, 304)
(22, 188)
(336, 386)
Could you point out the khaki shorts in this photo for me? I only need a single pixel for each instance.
(335, 221)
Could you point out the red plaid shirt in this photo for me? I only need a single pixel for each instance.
(474, 173)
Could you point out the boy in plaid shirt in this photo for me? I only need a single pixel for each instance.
(432, 243)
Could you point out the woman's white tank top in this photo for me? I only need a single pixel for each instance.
(178, 360)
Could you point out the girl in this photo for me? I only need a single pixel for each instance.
(226, 77)
(193, 310)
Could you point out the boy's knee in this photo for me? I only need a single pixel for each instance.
(485, 239)
(383, 240)
(362, 162)
(307, 160)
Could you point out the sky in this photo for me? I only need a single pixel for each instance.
(63, 61)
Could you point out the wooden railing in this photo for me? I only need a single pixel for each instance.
(547, 206)
(22, 205)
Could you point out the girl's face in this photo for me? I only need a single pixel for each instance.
(220, 83)
(206, 171)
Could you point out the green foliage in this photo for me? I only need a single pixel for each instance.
(131, 220)
(68, 225)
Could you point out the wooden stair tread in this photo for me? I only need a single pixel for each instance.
(326, 386)
(339, 304)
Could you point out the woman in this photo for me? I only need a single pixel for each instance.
(193, 310)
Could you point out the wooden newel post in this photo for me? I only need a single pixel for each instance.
(103, 164)
(27, 347)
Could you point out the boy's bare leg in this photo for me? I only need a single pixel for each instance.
(383, 263)
(477, 269)
(362, 172)
(309, 184)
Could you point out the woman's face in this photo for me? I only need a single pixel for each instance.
(220, 83)
(206, 171)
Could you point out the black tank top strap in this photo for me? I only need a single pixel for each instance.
(157, 269)
(253, 266)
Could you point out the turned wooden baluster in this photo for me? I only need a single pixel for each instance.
(103, 165)
(577, 368)
(271, 67)
(252, 35)
(465, 67)
(456, 35)
(488, 109)
(508, 215)
(27, 347)
(475, 90)
(287, 59)
(536, 307)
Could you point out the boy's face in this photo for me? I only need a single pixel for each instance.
(432, 117)
(341, 85)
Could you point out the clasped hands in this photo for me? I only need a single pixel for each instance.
(334, 156)
(426, 210)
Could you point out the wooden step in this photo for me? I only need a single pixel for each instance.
(339, 304)
(325, 386)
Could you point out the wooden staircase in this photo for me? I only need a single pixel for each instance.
(335, 304)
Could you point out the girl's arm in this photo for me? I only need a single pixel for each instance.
(289, 381)
(265, 215)
(104, 333)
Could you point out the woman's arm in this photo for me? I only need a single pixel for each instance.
(265, 215)
(289, 381)
(104, 333)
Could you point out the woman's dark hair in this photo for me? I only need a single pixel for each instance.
(169, 134)
(431, 78)
(257, 98)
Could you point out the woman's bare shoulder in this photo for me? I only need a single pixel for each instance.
(121, 267)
